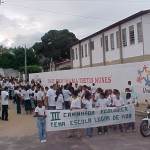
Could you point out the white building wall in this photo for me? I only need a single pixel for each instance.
(85, 60)
(76, 61)
(146, 33)
(112, 54)
(97, 53)
(134, 49)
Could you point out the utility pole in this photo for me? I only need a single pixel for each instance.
(25, 62)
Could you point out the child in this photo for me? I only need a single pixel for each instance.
(130, 101)
(88, 105)
(75, 104)
(102, 103)
(41, 122)
(60, 101)
(118, 102)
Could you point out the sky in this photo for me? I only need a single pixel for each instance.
(24, 22)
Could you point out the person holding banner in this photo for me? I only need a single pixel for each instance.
(41, 121)
(75, 104)
(130, 101)
(102, 103)
(118, 102)
(88, 105)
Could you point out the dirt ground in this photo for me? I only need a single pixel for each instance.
(20, 133)
(18, 125)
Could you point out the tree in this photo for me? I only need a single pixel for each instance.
(14, 58)
(7, 60)
(55, 44)
(31, 69)
(20, 57)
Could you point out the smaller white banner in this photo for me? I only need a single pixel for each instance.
(66, 119)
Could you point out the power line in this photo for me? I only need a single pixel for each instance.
(61, 13)
(125, 1)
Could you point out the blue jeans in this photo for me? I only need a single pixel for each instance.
(89, 131)
(41, 124)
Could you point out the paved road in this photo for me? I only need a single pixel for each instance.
(19, 133)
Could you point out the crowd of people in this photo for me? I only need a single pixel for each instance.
(34, 97)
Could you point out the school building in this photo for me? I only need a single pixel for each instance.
(126, 41)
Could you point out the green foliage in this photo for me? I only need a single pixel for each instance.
(31, 69)
(55, 44)
(15, 58)
(7, 60)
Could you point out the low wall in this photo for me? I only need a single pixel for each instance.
(106, 77)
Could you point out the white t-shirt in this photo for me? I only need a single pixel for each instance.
(43, 94)
(59, 102)
(51, 94)
(40, 111)
(93, 89)
(17, 92)
(88, 103)
(102, 103)
(97, 96)
(32, 92)
(66, 94)
(4, 101)
(111, 100)
(76, 103)
(130, 101)
(11, 86)
(131, 88)
(39, 95)
(26, 95)
(119, 102)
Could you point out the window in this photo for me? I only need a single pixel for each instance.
(131, 35)
(106, 43)
(117, 39)
(76, 53)
(101, 42)
(73, 54)
(112, 41)
(124, 37)
(139, 32)
(85, 46)
(82, 52)
(92, 45)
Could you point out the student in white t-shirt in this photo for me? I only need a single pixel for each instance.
(41, 121)
(118, 102)
(130, 101)
(66, 94)
(75, 104)
(93, 88)
(4, 103)
(102, 103)
(59, 102)
(50, 97)
(88, 105)
(27, 101)
(76, 86)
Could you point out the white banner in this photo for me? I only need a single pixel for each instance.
(66, 119)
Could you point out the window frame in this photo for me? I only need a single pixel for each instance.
(106, 44)
(124, 37)
(131, 35)
(112, 41)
